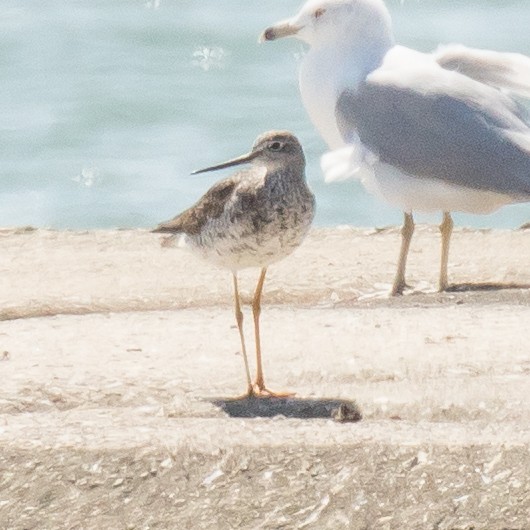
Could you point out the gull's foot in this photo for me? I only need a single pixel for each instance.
(443, 286)
(399, 287)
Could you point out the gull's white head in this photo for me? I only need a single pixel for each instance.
(348, 39)
(320, 22)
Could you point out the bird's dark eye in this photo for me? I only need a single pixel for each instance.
(319, 12)
(276, 146)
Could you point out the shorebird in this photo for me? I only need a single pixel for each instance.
(254, 218)
(425, 132)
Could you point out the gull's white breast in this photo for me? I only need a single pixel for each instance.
(320, 83)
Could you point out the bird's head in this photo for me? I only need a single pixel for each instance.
(278, 146)
(272, 148)
(324, 21)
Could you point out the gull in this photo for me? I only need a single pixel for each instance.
(254, 218)
(429, 132)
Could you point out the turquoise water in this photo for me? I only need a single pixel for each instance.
(107, 105)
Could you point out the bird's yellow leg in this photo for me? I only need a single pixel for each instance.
(239, 320)
(406, 235)
(446, 229)
(258, 388)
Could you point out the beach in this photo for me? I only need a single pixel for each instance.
(117, 353)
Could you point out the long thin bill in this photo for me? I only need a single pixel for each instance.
(234, 162)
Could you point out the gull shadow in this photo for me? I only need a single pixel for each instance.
(485, 286)
(339, 410)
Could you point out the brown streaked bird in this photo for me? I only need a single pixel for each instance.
(253, 218)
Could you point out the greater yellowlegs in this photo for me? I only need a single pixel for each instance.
(254, 218)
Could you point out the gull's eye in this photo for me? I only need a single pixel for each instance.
(276, 146)
(319, 12)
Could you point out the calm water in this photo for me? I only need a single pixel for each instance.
(107, 105)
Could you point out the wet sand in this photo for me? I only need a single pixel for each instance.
(118, 354)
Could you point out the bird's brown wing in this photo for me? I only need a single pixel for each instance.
(210, 206)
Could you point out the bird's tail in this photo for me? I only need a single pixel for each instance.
(163, 229)
(174, 239)
(173, 226)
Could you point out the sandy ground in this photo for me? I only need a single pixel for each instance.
(120, 357)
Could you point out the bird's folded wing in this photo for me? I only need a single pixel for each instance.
(437, 124)
(508, 71)
(210, 206)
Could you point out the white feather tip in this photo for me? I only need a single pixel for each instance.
(341, 164)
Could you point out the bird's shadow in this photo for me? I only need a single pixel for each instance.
(339, 410)
(485, 286)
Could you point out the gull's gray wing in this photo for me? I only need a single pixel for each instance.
(437, 124)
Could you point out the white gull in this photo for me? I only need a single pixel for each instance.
(425, 132)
